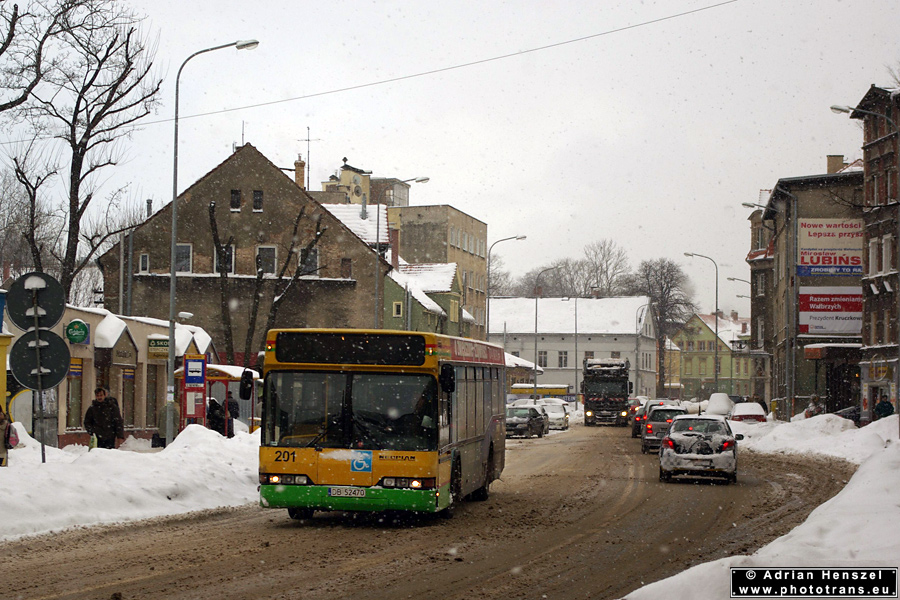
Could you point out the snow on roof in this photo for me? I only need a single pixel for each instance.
(109, 331)
(411, 284)
(619, 315)
(198, 334)
(856, 165)
(432, 277)
(349, 215)
(467, 316)
(519, 362)
(730, 330)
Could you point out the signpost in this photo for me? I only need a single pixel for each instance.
(194, 387)
(39, 359)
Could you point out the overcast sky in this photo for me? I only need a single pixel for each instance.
(651, 131)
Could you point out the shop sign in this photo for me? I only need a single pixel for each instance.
(77, 332)
(158, 349)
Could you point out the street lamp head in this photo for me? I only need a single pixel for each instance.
(840, 109)
(246, 44)
(689, 254)
(422, 179)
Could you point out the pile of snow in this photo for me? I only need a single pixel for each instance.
(199, 470)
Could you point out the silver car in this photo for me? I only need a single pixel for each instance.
(655, 426)
(699, 445)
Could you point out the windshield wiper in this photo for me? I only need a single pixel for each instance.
(318, 437)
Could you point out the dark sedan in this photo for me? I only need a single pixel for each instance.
(524, 421)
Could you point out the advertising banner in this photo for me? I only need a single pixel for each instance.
(830, 247)
(830, 310)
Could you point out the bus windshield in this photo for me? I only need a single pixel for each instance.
(375, 411)
(606, 389)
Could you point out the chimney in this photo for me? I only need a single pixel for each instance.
(734, 315)
(394, 235)
(835, 163)
(149, 207)
(744, 327)
(720, 314)
(300, 172)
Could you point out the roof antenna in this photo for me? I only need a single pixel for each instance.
(308, 140)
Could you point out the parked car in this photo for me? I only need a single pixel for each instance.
(851, 412)
(699, 445)
(542, 410)
(719, 404)
(637, 421)
(657, 424)
(559, 415)
(748, 412)
(524, 421)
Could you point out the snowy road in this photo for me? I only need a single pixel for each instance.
(578, 514)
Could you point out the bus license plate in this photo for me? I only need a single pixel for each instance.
(341, 492)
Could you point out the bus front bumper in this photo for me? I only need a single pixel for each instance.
(371, 499)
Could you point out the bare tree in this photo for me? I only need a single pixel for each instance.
(26, 40)
(223, 267)
(670, 292)
(501, 283)
(607, 265)
(100, 86)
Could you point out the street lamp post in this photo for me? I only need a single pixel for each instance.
(536, 290)
(170, 383)
(849, 110)
(378, 239)
(487, 295)
(716, 347)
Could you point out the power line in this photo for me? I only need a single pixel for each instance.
(446, 69)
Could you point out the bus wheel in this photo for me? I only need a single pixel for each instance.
(300, 514)
(482, 493)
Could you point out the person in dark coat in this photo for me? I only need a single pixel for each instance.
(104, 420)
(234, 412)
(215, 416)
(884, 408)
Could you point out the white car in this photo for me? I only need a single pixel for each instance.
(699, 445)
(559, 415)
(748, 412)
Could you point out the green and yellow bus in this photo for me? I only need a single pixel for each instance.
(375, 420)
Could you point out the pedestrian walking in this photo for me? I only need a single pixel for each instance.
(104, 420)
(234, 412)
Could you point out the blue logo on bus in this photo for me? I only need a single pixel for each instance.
(361, 461)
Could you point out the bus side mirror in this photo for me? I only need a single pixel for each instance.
(246, 389)
(630, 388)
(447, 379)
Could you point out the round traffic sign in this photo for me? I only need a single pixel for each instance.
(54, 359)
(20, 301)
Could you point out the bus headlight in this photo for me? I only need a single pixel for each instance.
(281, 479)
(588, 413)
(409, 483)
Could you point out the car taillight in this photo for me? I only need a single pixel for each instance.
(726, 445)
(667, 441)
(649, 427)
(638, 417)
(668, 420)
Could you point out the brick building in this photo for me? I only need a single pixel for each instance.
(256, 206)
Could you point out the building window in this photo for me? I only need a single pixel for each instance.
(515, 353)
(398, 309)
(761, 283)
(542, 358)
(257, 200)
(228, 264)
(311, 265)
(702, 364)
(588, 354)
(235, 200)
(689, 367)
(183, 258)
(760, 332)
(73, 393)
(873, 257)
(144, 263)
(613, 354)
(563, 359)
(346, 268)
(701, 346)
(887, 254)
(718, 366)
(690, 346)
(266, 259)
